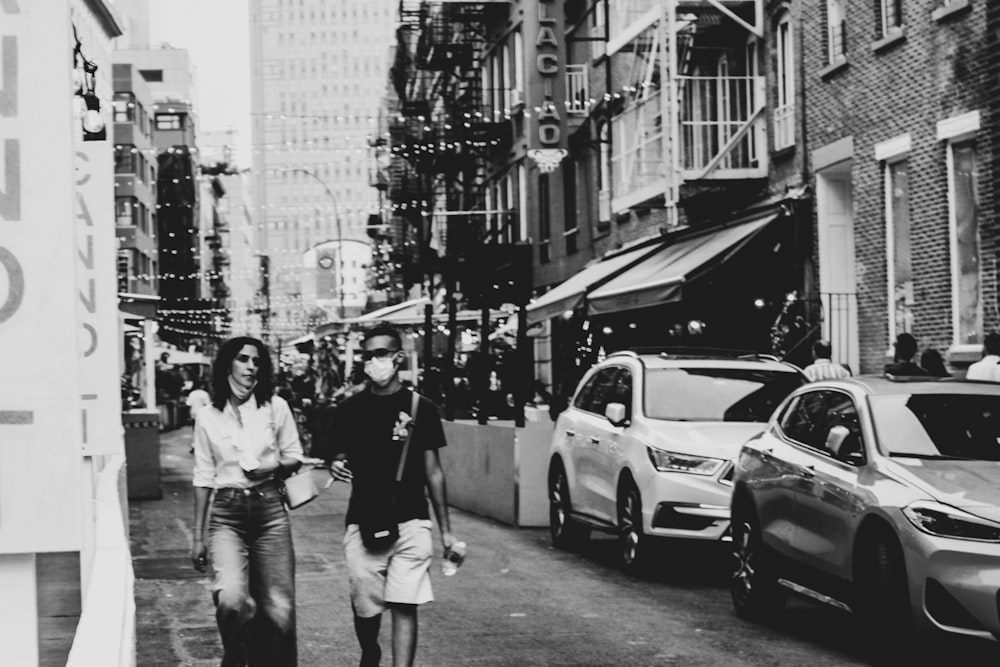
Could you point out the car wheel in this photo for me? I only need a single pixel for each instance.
(754, 584)
(882, 597)
(566, 533)
(633, 545)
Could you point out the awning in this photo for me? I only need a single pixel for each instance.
(568, 294)
(660, 277)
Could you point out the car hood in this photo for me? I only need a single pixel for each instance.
(721, 440)
(972, 485)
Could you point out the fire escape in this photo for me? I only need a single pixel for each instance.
(445, 128)
(689, 112)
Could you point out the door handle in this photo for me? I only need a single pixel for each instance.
(809, 471)
(571, 434)
(595, 441)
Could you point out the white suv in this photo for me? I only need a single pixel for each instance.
(646, 447)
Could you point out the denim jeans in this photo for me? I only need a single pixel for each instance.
(250, 544)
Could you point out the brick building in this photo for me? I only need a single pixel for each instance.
(900, 122)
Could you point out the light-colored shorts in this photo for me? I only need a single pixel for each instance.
(400, 574)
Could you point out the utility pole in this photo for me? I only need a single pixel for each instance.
(265, 291)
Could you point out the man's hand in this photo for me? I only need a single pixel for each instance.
(199, 555)
(340, 472)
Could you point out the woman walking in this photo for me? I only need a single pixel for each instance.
(246, 443)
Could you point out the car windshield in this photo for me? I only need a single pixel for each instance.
(938, 426)
(716, 394)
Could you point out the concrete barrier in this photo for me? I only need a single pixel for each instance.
(499, 471)
(106, 632)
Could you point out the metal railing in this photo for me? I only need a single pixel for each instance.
(714, 111)
(839, 320)
(638, 159)
(577, 90)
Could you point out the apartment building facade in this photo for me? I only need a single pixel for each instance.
(901, 118)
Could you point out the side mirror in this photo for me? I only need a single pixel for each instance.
(616, 414)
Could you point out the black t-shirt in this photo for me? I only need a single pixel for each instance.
(369, 431)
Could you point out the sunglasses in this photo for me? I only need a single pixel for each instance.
(380, 353)
(244, 358)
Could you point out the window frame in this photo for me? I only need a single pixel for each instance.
(889, 163)
(784, 108)
(833, 56)
(953, 144)
(887, 28)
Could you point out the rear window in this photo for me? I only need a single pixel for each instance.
(716, 394)
(935, 426)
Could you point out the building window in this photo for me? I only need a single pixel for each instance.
(900, 248)
(154, 75)
(604, 177)
(124, 107)
(836, 31)
(571, 230)
(126, 211)
(169, 121)
(544, 220)
(784, 111)
(125, 159)
(966, 273)
(891, 13)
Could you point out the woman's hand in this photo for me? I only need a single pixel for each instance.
(340, 472)
(262, 473)
(199, 555)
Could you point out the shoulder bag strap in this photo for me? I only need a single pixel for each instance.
(409, 436)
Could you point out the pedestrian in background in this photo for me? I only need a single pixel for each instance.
(903, 364)
(197, 399)
(932, 362)
(246, 443)
(822, 368)
(369, 433)
(987, 368)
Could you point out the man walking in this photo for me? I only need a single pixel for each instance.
(987, 368)
(822, 368)
(369, 432)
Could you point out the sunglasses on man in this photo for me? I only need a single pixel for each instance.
(379, 353)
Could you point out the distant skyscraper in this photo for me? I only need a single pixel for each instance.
(318, 75)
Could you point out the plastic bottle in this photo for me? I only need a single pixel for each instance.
(453, 558)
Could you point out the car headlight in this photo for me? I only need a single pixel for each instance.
(945, 521)
(672, 462)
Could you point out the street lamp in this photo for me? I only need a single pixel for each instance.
(340, 237)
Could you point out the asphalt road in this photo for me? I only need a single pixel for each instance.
(515, 602)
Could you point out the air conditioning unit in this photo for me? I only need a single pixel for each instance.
(516, 97)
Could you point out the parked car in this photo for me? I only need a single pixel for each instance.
(879, 497)
(646, 446)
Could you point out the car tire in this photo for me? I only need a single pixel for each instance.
(882, 599)
(633, 544)
(566, 533)
(753, 586)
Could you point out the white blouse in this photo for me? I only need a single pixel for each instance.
(265, 432)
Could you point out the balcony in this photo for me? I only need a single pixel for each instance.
(577, 90)
(722, 128)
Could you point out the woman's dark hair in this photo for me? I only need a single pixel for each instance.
(223, 365)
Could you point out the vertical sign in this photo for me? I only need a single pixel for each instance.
(40, 417)
(96, 305)
(547, 94)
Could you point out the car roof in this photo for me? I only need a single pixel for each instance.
(884, 385)
(665, 360)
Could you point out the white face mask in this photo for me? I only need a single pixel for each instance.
(380, 370)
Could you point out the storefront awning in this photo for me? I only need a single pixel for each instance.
(568, 294)
(660, 277)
